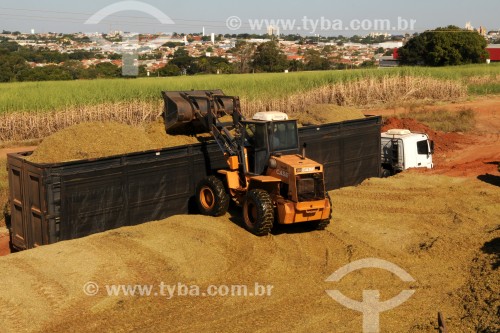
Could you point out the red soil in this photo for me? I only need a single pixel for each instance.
(444, 142)
(475, 154)
(4, 244)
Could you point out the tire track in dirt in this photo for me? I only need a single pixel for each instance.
(49, 290)
(11, 316)
(131, 267)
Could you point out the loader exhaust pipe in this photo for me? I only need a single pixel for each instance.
(304, 151)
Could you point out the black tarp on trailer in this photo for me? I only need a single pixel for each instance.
(55, 202)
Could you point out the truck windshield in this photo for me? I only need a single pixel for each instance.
(284, 136)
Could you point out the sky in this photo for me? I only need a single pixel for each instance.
(311, 17)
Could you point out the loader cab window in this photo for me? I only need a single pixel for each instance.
(284, 136)
(256, 144)
(256, 135)
(423, 147)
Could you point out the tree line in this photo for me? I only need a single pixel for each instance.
(440, 47)
(266, 57)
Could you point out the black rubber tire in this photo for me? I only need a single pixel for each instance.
(258, 212)
(385, 173)
(322, 224)
(211, 197)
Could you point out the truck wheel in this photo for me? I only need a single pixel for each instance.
(385, 173)
(258, 212)
(321, 225)
(211, 197)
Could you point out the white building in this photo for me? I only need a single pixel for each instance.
(273, 31)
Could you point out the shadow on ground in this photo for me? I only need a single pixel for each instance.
(493, 248)
(278, 229)
(490, 179)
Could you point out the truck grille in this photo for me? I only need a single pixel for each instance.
(310, 187)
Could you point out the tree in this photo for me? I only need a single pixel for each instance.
(9, 46)
(269, 58)
(245, 52)
(447, 46)
(75, 69)
(10, 66)
(184, 62)
(173, 45)
(81, 55)
(296, 66)
(214, 65)
(47, 73)
(115, 56)
(170, 70)
(389, 52)
(315, 62)
(107, 70)
(368, 64)
(327, 50)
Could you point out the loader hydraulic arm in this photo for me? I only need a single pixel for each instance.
(205, 108)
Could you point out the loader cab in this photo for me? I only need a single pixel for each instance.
(269, 133)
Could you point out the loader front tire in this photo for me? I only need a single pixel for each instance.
(258, 212)
(211, 197)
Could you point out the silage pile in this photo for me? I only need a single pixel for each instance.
(103, 139)
(434, 227)
(318, 114)
(155, 131)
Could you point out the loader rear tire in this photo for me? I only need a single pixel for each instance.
(322, 224)
(258, 212)
(211, 197)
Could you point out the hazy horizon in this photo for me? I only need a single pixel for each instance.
(191, 16)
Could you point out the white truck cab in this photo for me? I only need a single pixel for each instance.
(402, 150)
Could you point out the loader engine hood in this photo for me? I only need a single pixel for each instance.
(294, 165)
(303, 179)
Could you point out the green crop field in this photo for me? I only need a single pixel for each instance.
(48, 96)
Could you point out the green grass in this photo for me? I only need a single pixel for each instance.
(46, 96)
(444, 120)
(484, 89)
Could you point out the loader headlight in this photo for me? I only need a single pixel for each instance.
(273, 164)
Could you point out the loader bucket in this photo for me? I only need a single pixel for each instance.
(180, 109)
